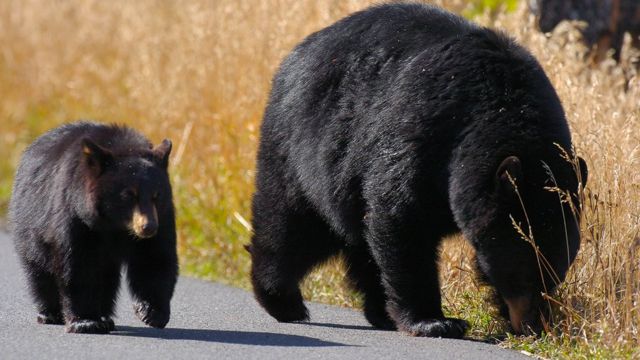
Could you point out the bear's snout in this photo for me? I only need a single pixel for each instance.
(145, 221)
(524, 318)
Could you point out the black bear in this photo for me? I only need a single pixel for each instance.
(395, 127)
(87, 199)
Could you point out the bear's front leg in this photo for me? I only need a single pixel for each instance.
(152, 272)
(406, 253)
(84, 295)
(364, 275)
(110, 286)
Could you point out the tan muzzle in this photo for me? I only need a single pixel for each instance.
(144, 223)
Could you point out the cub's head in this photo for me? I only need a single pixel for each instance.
(531, 236)
(128, 191)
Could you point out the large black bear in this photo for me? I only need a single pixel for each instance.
(391, 129)
(87, 199)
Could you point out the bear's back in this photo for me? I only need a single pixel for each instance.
(394, 27)
(346, 69)
(402, 80)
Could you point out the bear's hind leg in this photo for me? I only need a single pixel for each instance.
(285, 246)
(364, 276)
(46, 295)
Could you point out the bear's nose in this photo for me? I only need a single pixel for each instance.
(149, 229)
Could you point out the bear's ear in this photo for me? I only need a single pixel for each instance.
(162, 152)
(509, 168)
(96, 156)
(584, 174)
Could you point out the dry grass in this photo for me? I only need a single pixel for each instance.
(198, 72)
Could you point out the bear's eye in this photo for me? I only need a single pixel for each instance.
(128, 194)
(156, 195)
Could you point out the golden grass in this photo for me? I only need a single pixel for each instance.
(198, 72)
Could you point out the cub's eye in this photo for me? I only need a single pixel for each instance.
(156, 195)
(129, 194)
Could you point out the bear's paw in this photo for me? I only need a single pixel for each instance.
(444, 328)
(156, 317)
(87, 326)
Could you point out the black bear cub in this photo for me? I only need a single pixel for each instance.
(89, 198)
(393, 128)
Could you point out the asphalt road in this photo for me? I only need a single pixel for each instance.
(213, 321)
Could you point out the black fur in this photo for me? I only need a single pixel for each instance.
(386, 132)
(71, 215)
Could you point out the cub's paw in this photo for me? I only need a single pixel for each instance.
(86, 326)
(50, 318)
(156, 317)
(108, 322)
(445, 328)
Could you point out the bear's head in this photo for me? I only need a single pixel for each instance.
(127, 191)
(531, 234)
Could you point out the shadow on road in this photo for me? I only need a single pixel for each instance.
(490, 340)
(341, 326)
(224, 336)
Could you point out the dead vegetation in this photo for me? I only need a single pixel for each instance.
(198, 72)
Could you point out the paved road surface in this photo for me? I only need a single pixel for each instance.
(213, 321)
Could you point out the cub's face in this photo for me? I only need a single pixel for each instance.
(528, 245)
(130, 192)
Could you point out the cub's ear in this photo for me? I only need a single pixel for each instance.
(584, 174)
(162, 152)
(510, 167)
(96, 157)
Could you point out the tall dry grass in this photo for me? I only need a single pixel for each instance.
(198, 72)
